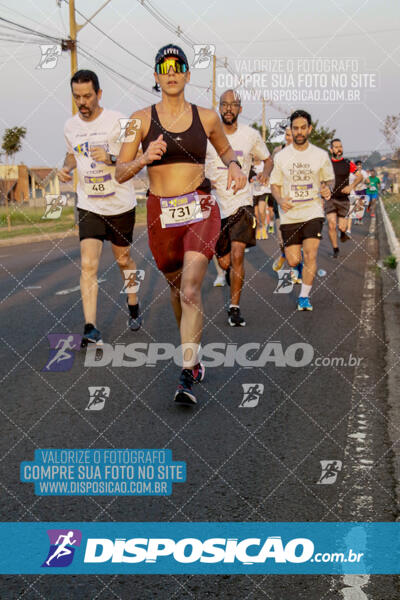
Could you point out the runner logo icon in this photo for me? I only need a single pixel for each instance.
(63, 543)
(330, 470)
(98, 397)
(50, 54)
(61, 354)
(54, 206)
(133, 279)
(251, 394)
(202, 55)
(285, 283)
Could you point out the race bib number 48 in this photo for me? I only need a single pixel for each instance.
(99, 187)
(302, 192)
(182, 210)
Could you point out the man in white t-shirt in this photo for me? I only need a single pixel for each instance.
(106, 208)
(237, 211)
(302, 173)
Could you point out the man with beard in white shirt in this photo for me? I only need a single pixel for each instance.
(238, 224)
(106, 208)
(302, 174)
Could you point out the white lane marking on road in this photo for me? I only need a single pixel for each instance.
(358, 454)
(33, 287)
(75, 289)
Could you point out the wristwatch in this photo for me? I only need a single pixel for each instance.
(113, 159)
(235, 161)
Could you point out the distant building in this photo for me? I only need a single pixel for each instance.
(18, 183)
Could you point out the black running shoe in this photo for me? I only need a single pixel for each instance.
(344, 237)
(184, 394)
(335, 252)
(228, 276)
(91, 335)
(135, 323)
(234, 318)
(198, 372)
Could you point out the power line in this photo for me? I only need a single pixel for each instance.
(114, 41)
(104, 65)
(27, 30)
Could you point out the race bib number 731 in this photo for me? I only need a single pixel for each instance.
(182, 210)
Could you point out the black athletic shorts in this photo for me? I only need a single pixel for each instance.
(239, 227)
(295, 233)
(271, 201)
(340, 207)
(259, 198)
(118, 229)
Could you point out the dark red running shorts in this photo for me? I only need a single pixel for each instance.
(168, 245)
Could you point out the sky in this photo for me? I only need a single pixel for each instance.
(347, 50)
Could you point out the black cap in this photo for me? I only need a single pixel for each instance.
(171, 50)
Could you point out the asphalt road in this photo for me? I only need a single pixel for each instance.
(243, 464)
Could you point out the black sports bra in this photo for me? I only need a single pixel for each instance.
(184, 147)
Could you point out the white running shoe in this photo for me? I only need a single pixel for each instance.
(220, 281)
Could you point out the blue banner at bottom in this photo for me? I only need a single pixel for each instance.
(200, 548)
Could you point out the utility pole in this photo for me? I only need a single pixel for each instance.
(72, 34)
(214, 83)
(70, 43)
(263, 127)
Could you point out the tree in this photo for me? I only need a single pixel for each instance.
(12, 141)
(321, 136)
(390, 130)
(373, 160)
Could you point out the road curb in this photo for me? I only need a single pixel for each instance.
(391, 313)
(28, 239)
(394, 243)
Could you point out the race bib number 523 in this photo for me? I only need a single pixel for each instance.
(301, 192)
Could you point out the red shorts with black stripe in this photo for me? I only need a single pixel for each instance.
(168, 245)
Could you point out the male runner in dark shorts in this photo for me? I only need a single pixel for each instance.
(337, 207)
(302, 174)
(106, 208)
(373, 191)
(182, 217)
(238, 224)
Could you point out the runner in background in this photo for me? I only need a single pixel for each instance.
(337, 208)
(302, 174)
(373, 191)
(358, 197)
(259, 199)
(238, 224)
(280, 261)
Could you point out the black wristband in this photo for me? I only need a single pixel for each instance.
(113, 159)
(235, 161)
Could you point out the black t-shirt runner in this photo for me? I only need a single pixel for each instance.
(342, 168)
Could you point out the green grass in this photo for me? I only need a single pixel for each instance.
(390, 262)
(26, 220)
(392, 205)
(26, 215)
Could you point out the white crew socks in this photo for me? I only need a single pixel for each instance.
(305, 290)
(236, 305)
